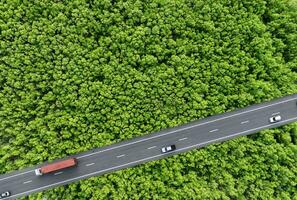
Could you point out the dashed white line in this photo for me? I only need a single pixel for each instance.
(160, 135)
(244, 122)
(182, 139)
(214, 130)
(275, 113)
(121, 156)
(148, 158)
(185, 128)
(27, 182)
(58, 173)
(151, 147)
(90, 164)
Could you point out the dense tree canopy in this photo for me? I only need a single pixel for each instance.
(75, 75)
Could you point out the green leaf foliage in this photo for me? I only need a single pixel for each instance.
(75, 75)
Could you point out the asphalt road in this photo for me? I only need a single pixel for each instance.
(139, 150)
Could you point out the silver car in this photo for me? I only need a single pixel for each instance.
(274, 119)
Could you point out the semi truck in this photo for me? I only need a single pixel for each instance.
(56, 166)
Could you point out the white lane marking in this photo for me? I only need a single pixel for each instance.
(160, 135)
(58, 173)
(214, 130)
(244, 122)
(151, 147)
(144, 159)
(181, 129)
(275, 113)
(182, 139)
(121, 156)
(27, 182)
(90, 164)
(17, 175)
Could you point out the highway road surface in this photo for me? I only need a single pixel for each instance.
(139, 150)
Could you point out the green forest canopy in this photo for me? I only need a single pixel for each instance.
(75, 75)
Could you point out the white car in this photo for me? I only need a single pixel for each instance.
(274, 119)
(38, 172)
(5, 194)
(168, 148)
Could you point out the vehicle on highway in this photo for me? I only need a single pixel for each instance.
(56, 166)
(274, 119)
(168, 148)
(5, 194)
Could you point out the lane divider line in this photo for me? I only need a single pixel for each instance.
(214, 130)
(181, 129)
(182, 139)
(58, 173)
(90, 164)
(244, 122)
(148, 158)
(160, 135)
(151, 147)
(275, 113)
(121, 156)
(27, 182)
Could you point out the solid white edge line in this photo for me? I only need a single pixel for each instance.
(144, 159)
(79, 157)
(17, 174)
(156, 136)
